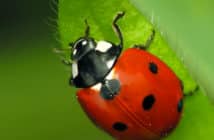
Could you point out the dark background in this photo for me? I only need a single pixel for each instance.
(20, 16)
(36, 101)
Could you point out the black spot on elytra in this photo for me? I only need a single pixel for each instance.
(148, 102)
(119, 126)
(153, 67)
(180, 105)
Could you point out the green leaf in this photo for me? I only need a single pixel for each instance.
(197, 122)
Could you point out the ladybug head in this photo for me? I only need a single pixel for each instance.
(81, 47)
(93, 61)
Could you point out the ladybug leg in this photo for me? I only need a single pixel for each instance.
(71, 44)
(181, 84)
(62, 51)
(188, 93)
(117, 29)
(71, 81)
(67, 62)
(87, 30)
(110, 88)
(191, 92)
(148, 42)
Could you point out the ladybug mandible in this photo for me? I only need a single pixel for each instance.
(131, 95)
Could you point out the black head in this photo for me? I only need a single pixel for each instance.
(93, 61)
(81, 47)
(90, 63)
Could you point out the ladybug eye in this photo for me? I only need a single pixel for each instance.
(80, 44)
(79, 47)
(84, 43)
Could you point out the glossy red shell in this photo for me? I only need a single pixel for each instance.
(137, 82)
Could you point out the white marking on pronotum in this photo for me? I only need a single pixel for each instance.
(110, 75)
(103, 46)
(110, 63)
(97, 87)
(74, 69)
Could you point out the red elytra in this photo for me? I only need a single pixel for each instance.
(148, 105)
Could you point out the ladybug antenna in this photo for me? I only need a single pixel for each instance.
(116, 27)
(87, 30)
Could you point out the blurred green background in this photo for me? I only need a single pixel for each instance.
(36, 101)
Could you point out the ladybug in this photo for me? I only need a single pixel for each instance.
(132, 95)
